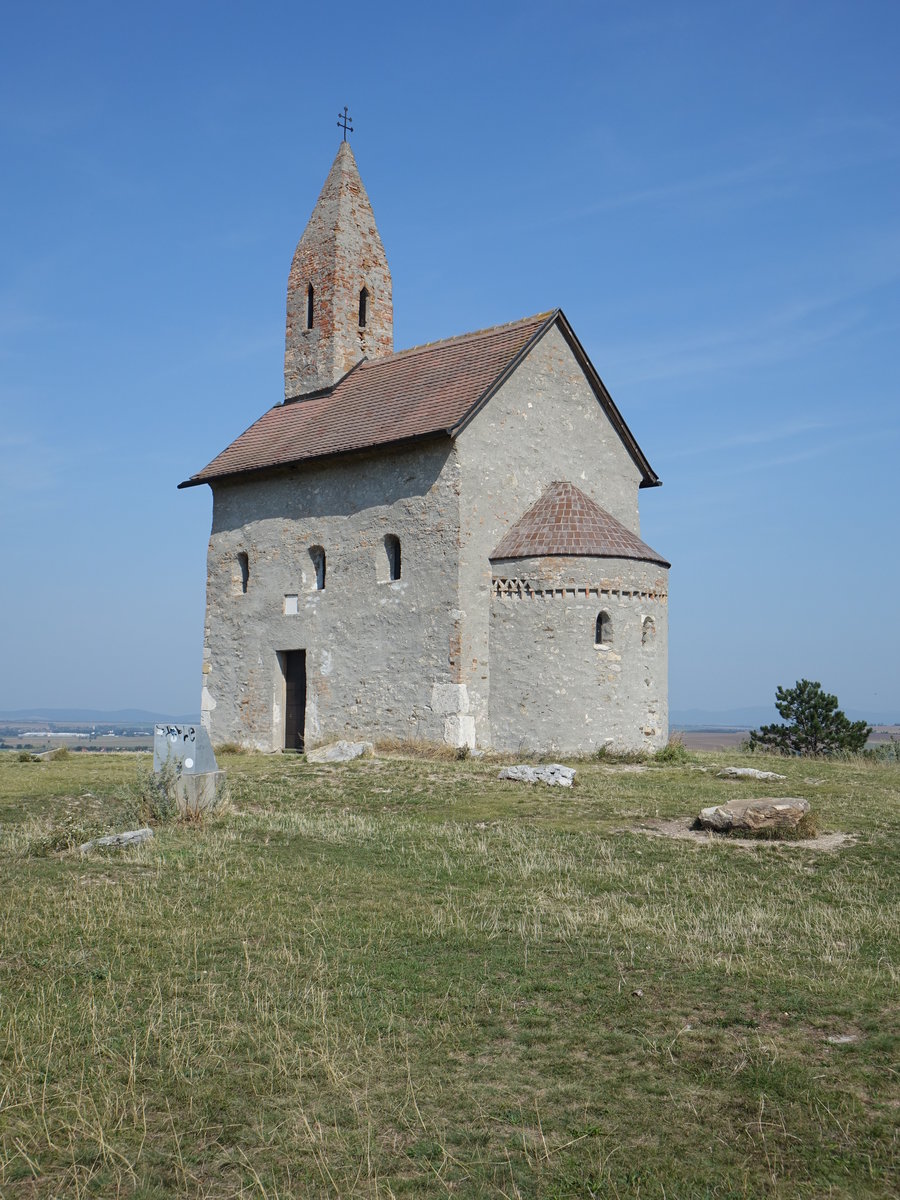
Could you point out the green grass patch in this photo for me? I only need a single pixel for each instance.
(401, 977)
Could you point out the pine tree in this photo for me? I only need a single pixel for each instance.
(817, 725)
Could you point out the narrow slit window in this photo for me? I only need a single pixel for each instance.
(392, 551)
(309, 306)
(648, 631)
(363, 307)
(242, 573)
(603, 631)
(317, 556)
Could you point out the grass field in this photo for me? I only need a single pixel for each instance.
(402, 977)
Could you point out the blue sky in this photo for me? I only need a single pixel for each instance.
(710, 191)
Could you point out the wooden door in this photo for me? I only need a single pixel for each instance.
(294, 698)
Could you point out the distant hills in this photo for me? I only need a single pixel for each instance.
(752, 718)
(679, 718)
(99, 716)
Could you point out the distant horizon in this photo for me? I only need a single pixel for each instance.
(739, 717)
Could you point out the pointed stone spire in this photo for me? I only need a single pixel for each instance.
(339, 301)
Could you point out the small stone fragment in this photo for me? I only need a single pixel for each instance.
(133, 837)
(340, 752)
(746, 773)
(768, 812)
(554, 774)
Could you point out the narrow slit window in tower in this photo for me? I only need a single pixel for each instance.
(317, 554)
(363, 307)
(392, 550)
(242, 575)
(309, 306)
(603, 635)
(648, 631)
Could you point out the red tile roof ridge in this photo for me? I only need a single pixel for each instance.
(423, 391)
(537, 318)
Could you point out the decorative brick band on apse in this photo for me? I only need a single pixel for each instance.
(518, 589)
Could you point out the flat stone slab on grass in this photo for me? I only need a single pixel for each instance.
(746, 773)
(340, 752)
(555, 775)
(755, 816)
(133, 837)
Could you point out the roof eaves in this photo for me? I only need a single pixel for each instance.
(648, 558)
(294, 463)
(195, 480)
(455, 430)
(651, 479)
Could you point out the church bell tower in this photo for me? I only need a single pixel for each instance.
(339, 300)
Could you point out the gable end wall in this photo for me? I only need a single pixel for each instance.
(544, 423)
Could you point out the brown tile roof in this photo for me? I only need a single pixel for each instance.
(565, 521)
(428, 389)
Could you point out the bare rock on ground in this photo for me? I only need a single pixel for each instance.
(340, 752)
(746, 773)
(755, 816)
(553, 774)
(133, 837)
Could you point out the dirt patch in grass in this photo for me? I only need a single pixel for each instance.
(684, 827)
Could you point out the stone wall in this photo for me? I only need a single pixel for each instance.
(554, 687)
(445, 652)
(381, 655)
(544, 423)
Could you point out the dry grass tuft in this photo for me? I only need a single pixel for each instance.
(421, 748)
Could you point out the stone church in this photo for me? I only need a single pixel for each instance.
(441, 542)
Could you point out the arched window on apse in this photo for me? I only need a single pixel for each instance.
(603, 630)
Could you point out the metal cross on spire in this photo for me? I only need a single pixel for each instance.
(344, 122)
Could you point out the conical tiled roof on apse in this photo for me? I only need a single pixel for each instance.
(566, 522)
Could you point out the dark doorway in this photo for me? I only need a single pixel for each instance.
(294, 666)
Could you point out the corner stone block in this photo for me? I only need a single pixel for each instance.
(459, 730)
(447, 698)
